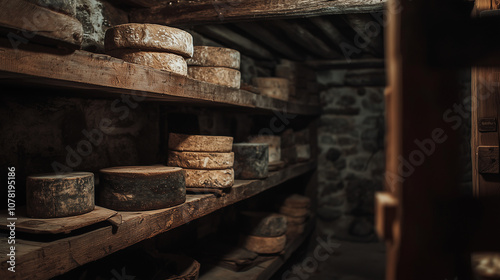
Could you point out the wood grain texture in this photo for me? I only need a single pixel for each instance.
(206, 11)
(94, 75)
(24, 21)
(67, 253)
(488, 158)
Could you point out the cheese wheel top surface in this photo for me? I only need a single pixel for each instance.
(199, 143)
(62, 176)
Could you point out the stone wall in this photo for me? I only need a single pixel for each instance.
(352, 157)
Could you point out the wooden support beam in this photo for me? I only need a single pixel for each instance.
(266, 37)
(234, 40)
(209, 11)
(369, 33)
(306, 39)
(331, 31)
(344, 64)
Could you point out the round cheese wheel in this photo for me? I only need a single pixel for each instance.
(158, 60)
(59, 195)
(263, 224)
(264, 245)
(200, 143)
(201, 160)
(217, 179)
(297, 201)
(294, 212)
(273, 87)
(139, 188)
(216, 75)
(294, 230)
(149, 37)
(296, 220)
(251, 160)
(215, 57)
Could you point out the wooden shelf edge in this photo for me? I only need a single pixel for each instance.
(49, 259)
(99, 75)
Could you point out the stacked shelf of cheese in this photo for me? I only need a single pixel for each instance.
(215, 65)
(296, 208)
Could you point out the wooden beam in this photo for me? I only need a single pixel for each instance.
(209, 11)
(343, 64)
(234, 40)
(331, 31)
(366, 28)
(266, 37)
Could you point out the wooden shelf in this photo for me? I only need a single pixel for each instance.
(52, 258)
(264, 270)
(99, 75)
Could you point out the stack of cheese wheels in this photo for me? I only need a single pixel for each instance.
(273, 87)
(302, 145)
(288, 147)
(251, 160)
(274, 142)
(215, 65)
(152, 45)
(296, 209)
(207, 160)
(139, 188)
(264, 233)
(59, 195)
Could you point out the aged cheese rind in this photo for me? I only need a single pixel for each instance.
(215, 57)
(297, 201)
(294, 230)
(139, 188)
(294, 212)
(201, 160)
(296, 220)
(264, 245)
(159, 60)
(251, 160)
(151, 37)
(278, 88)
(216, 75)
(200, 143)
(274, 142)
(263, 224)
(53, 196)
(217, 179)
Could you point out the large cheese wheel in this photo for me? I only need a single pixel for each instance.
(138, 188)
(201, 160)
(294, 212)
(273, 87)
(274, 143)
(215, 57)
(297, 201)
(264, 245)
(263, 223)
(150, 37)
(217, 179)
(200, 143)
(216, 75)
(59, 195)
(251, 160)
(158, 60)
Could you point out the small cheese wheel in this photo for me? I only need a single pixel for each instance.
(297, 201)
(138, 188)
(294, 230)
(273, 87)
(158, 60)
(59, 195)
(303, 152)
(200, 143)
(150, 37)
(216, 179)
(251, 160)
(296, 220)
(263, 224)
(274, 143)
(216, 75)
(294, 212)
(264, 245)
(215, 57)
(201, 160)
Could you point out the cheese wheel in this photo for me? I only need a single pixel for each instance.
(264, 245)
(297, 201)
(139, 188)
(273, 87)
(303, 152)
(149, 37)
(67, 7)
(215, 57)
(59, 195)
(216, 75)
(296, 220)
(201, 160)
(294, 212)
(251, 160)
(217, 179)
(274, 143)
(158, 60)
(263, 224)
(200, 143)
(294, 230)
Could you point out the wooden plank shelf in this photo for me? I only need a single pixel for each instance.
(99, 75)
(264, 270)
(52, 258)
